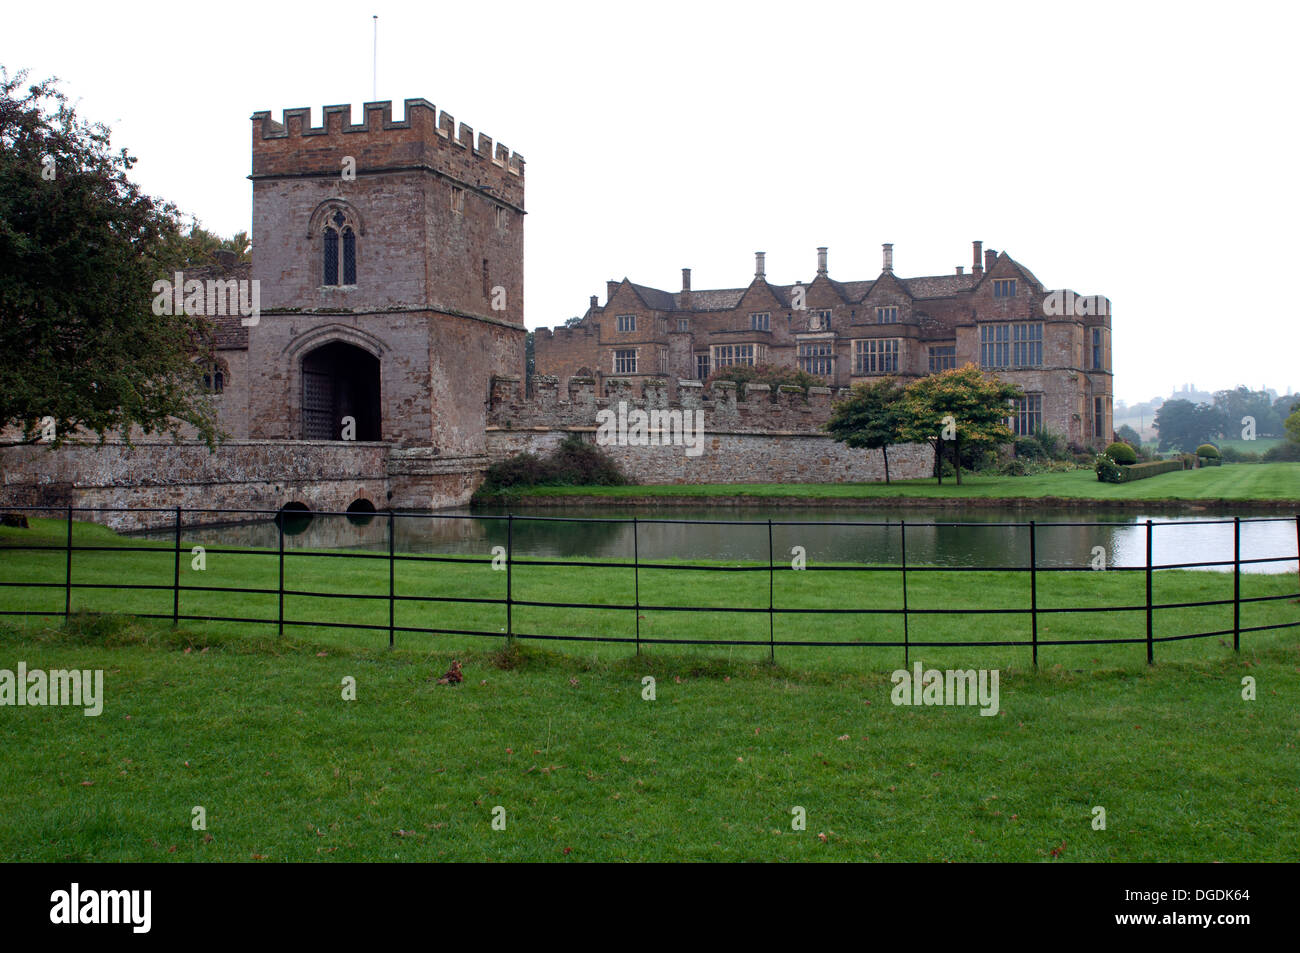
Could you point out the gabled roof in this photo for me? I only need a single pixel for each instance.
(940, 286)
(719, 299)
(654, 298)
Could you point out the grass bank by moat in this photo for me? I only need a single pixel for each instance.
(1263, 485)
(564, 738)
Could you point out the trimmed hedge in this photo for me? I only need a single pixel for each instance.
(1140, 471)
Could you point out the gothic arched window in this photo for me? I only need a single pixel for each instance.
(339, 249)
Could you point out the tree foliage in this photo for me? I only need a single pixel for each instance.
(80, 248)
(964, 401)
(871, 417)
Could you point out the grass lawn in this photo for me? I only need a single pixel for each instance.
(256, 732)
(1261, 445)
(253, 727)
(1231, 482)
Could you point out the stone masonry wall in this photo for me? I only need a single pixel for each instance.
(256, 474)
(754, 440)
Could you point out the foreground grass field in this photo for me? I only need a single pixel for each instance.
(256, 732)
(1231, 482)
(254, 728)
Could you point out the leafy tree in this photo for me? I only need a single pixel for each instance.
(1230, 406)
(976, 404)
(1129, 436)
(871, 417)
(80, 248)
(1184, 425)
(1293, 426)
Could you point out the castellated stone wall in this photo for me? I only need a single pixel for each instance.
(754, 440)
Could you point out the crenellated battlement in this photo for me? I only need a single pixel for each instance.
(424, 138)
(791, 412)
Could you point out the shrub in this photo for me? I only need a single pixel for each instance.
(774, 375)
(573, 463)
(1016, 467)
(1122, 454)
(1051, 443)
(1233, 455)
(1288, 452)
(1208, 450)
(1108, 470)
(578, 463)
(1027, 448)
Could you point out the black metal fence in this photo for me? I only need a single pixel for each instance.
(514, 563)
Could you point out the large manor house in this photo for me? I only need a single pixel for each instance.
(387, 365)
(997, 315)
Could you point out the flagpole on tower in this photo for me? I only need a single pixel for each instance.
(374, 76)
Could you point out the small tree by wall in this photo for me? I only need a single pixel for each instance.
(964, 402)
(871, 417)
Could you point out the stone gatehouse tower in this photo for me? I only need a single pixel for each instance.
(390, 260)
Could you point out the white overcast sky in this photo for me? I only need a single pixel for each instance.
(1141, 150)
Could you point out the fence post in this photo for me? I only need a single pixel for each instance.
(279, 522)
(1033, 584)
(510, 561)
(902, 552)
(67, 588)
(1150, 627)
(771, 596)
(176, 575)
(392, 588)
(1236, 583)
(636, 583)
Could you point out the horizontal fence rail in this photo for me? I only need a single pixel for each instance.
(512, 564)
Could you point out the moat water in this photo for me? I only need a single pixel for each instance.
(741, 534)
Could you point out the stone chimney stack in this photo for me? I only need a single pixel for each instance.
(821, 260)
(990, 257)
(961, 269)
(593, 302)
(887, 258)
(610, 288)
(686, 279)
(977, 265)
(760, 264)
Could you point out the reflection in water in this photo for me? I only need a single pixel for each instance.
(745, 536)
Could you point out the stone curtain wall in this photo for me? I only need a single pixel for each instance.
(737, 458)
(754, 440)
(240, 474)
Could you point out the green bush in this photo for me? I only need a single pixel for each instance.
(1287, 452)
(1122, 454)
(573, 463)
(1052, 444)
(1027, 448)
(1108, 471)
(1233, 455)
(1208, 450)
(774, 375)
